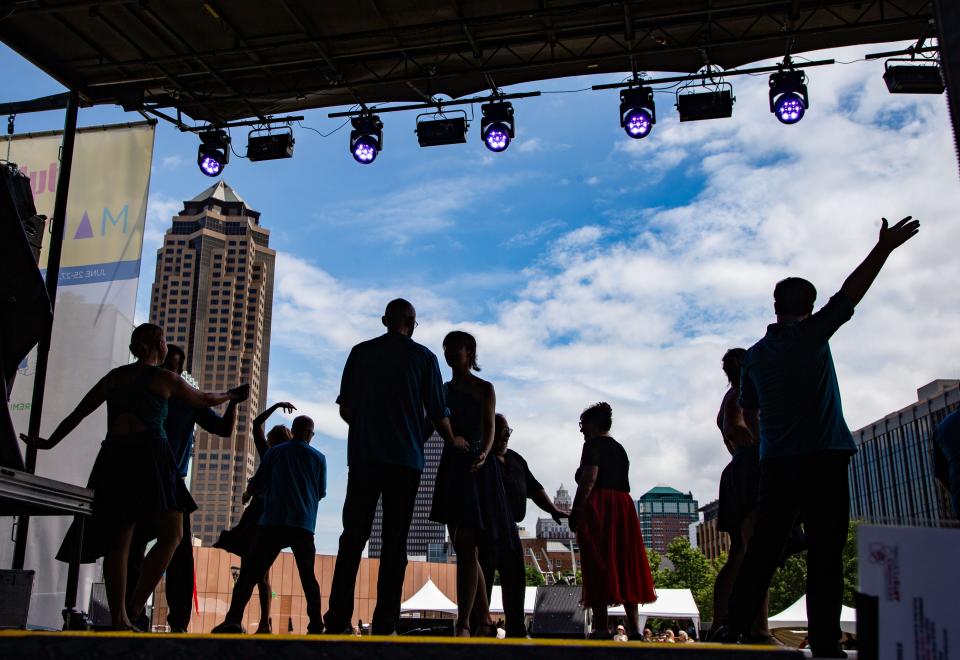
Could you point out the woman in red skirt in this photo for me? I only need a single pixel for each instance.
(612, 556)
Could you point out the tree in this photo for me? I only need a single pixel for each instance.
(691, 570)
(534, 579)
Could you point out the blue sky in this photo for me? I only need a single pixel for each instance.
(595, 267)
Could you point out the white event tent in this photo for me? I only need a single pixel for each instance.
(496, 600)
(795, 616)
(429, 598)
(670, 604)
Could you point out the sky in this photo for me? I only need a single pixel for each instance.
(593, 267)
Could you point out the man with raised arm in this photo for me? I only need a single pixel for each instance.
(789, 393)
(388, 383)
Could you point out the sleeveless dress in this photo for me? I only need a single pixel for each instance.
(739, 487)
(134, 476)
(462, 498)
(239, 539)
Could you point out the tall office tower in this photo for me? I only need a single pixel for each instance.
(891, 476)
(665, 513)
(213, 296)
(562, 500)
(423, 533)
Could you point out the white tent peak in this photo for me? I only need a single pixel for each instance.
(795, 616)
(428, 598)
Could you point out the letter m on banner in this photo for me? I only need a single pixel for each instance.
(107, 215)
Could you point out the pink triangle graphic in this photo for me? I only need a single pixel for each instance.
(85, 230)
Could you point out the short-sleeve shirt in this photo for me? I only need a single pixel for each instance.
(790, 378)
(180, 423)
(293, 477)
(518, 483)
(613, 465)
(946, 438)
(389, 384)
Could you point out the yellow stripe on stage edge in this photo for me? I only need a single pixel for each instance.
(404, 639)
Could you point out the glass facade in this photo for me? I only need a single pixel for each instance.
(665, 513)
(891, 476)
(423, 533)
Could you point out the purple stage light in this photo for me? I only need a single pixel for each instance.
(638, 123)
(210, 166)
(497, 137)
(789, 108)
(365, 150)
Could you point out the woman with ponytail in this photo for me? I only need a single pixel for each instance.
(134, 477)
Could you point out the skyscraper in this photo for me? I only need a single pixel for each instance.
(423, 533)
(213, 296)
(665, 513)
(891, 477)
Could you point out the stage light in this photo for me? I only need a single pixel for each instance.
(638, 112)
(437, 132)
(497, 126)
(214, 152)
(788, 95)
(270, 146)
(705, 105)
(909, 77)
(366, 138)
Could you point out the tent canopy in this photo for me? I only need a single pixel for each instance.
(496, 599)
(219, 61)
(429, 598)
(670, 604)
(795, 616)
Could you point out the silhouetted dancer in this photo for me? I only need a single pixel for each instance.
(789, 381)
(387, 384)
(468, 495)
(179, 425)
(518, 485)
(293, 479)
(946, 444)
(239, 540)
(612, 555)
(738, 493)
(134, 478)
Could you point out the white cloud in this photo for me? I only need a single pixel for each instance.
(420, 209)
(532, 236)
(171, 162)
(531, 145)
(592, 181)
(641, 316)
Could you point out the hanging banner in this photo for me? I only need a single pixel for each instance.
(912, 571)
(96, 299)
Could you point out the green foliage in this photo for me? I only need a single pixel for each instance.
(534, 579)
(691, 570)
(789, 582)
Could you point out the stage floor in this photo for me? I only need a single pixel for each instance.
(106, 646)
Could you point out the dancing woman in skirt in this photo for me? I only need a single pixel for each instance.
(239, 540)
(612, 556)
(134, 477)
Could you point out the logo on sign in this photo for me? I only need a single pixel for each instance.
(887, 556)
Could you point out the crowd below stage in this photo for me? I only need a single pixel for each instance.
(785, 487)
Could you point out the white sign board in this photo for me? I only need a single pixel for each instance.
(913, 571)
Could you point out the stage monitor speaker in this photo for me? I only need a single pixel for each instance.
(425, 627)
(15, 589)
(557, 613)
(25, 310)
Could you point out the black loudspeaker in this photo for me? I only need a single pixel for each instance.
(425, 627)
(25, 310)
(557, 613)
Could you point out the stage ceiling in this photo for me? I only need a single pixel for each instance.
(224, 60)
